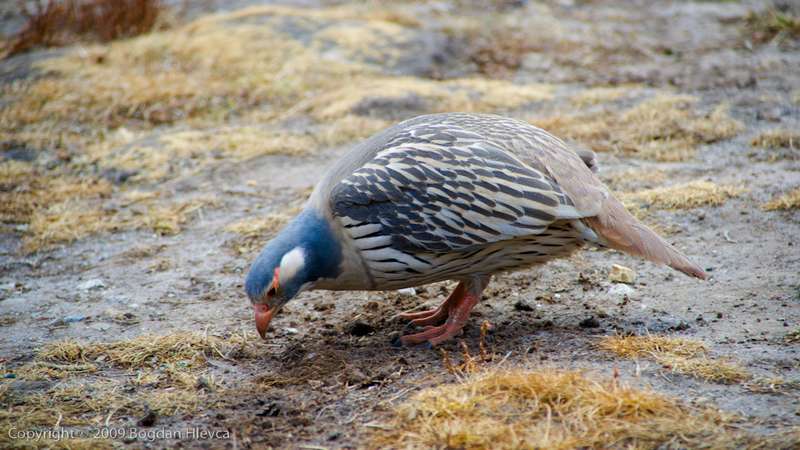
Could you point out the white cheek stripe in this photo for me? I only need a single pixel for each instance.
(291, 263)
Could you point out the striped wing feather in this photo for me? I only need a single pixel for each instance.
(446, 196)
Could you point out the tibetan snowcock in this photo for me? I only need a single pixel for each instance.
(446, 197)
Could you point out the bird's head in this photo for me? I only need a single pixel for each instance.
(302, 253)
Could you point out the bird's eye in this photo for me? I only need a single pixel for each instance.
(272, 291)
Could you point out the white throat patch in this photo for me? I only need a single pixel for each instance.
(292, 262)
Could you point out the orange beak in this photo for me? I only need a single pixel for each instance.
(262, 312)
(263, 317)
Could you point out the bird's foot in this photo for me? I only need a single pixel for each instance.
(438, 315)
(432, 335)
(456, 319)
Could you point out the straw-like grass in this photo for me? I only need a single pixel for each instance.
(149, 351)
(643, 346)
(664, 128)
(550, 409)
(784, 202)
(683, 196)
(777, 138)
(679, 355)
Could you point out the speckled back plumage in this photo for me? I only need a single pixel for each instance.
(448, 196)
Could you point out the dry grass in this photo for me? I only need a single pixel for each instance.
(550, 409)
(629, 179)
(165, 374)
(711, 370)
(645, 346)
(600, 95)
(255, 232)
(772, 25)
(43, 370)
(664, 128)
(150, 351)
(784, 202)
(683, 196)
(424, 96)
(26, 190)
(777, 138)
(61, 22)
(59, 208)
(680, 355)
(72, 220)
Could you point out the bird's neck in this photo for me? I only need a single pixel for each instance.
(322, 252)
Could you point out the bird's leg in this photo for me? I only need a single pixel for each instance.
(457, 315)
(438, 315)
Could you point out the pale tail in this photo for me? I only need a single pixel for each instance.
(621, 231)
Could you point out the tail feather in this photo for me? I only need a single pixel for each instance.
(621, 231)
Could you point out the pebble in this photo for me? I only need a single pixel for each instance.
(290, 330)
(74, 318)
(620, 290)
(92, 284)
(407, 291)
(621, 274)
(589, 322)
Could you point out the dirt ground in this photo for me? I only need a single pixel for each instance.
(170, 221)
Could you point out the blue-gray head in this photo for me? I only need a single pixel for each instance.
(302, 253)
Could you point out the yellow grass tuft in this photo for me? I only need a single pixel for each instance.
(680, 355)
(683, 196)
(181, 153)
(787, 201)
(549, 409)
(777, 138)
(598, 95)
(149, 351)
(664, 128)
(642, 346)
(43, 370)
(25, 189)
(711, 370)
(472, 94)
(71, 220)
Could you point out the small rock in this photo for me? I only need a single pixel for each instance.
(589, 322)
(92, 284)
(290, 330)
(359, 328)
(621, 274)
(407, 291)
(621, 290)
(523, 306)
(149, 418)
(74, 318)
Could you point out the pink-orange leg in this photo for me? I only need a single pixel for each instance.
(462, 301)
(438, 315)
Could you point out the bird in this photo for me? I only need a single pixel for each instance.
(447, 196)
